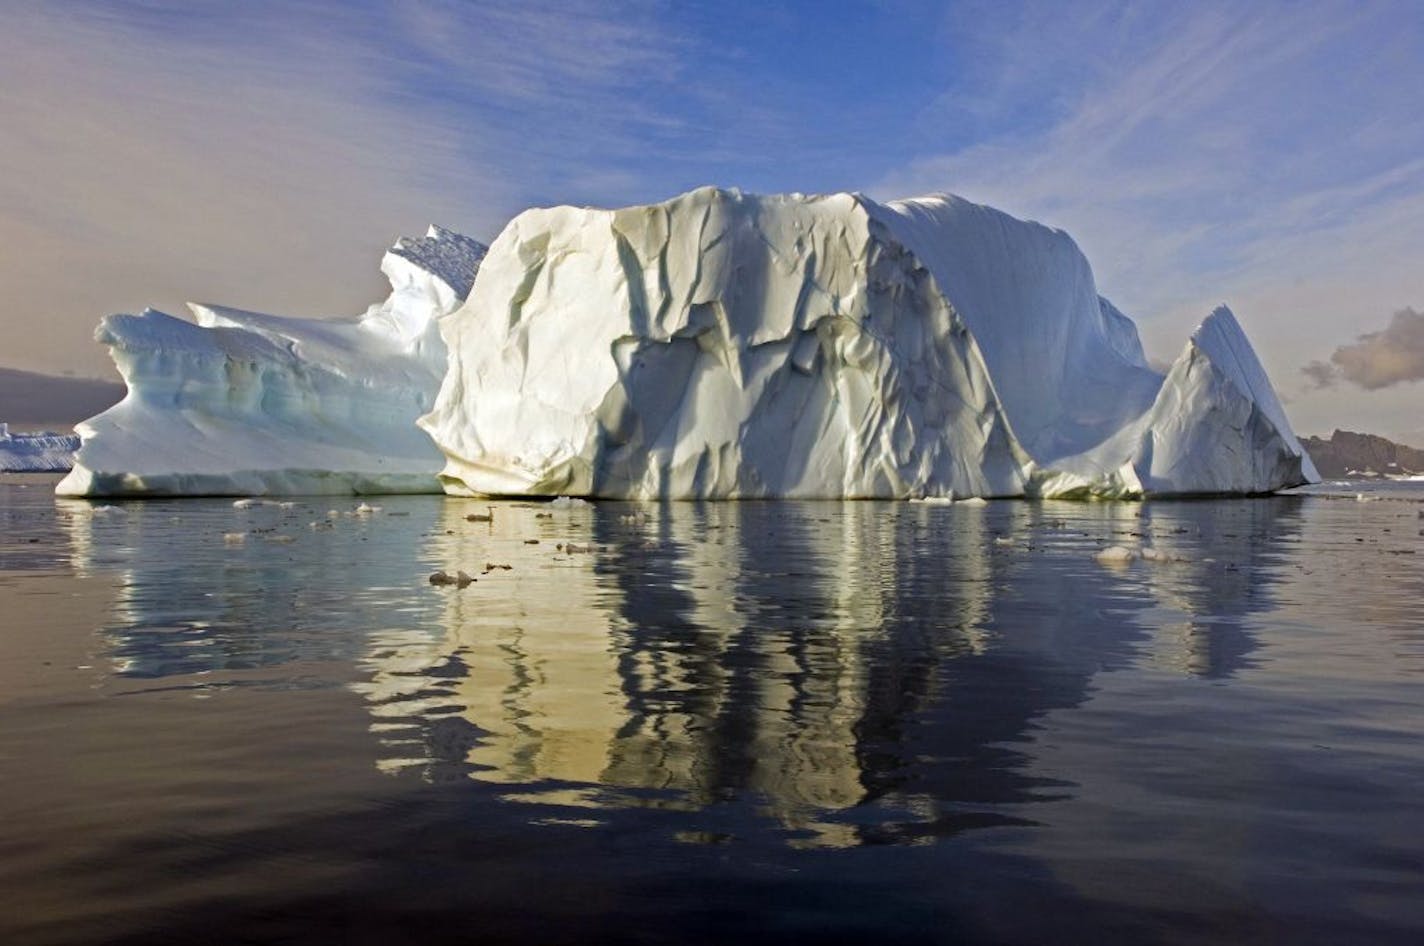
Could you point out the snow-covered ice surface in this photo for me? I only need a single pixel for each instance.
(242, 403)
(36, 452)
(722, 345)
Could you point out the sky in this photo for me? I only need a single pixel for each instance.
(263, 154)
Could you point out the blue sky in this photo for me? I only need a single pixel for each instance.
(262, 154)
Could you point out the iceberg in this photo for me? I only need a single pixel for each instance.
(44, 452)
(722, 345)
(242, 403)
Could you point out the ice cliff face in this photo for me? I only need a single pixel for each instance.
(242, 403)
(721, 345)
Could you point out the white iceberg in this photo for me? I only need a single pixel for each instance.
(248, 404)
(44, 452)
(722, 345)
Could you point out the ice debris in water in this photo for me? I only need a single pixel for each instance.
(567, 502)
(460, 579)
(1115, 555)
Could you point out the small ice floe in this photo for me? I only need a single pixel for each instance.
(254, 503)
(333, 514)
(634, 518)
(973, 501)
(234, 538)
(366, 509)
(567, 502)
(573, 548)
(1153, 554)
(288, 505)
(279, 539)
(1365, 498)
(934, 500)
(107, 510)
(460, 579)
(1115, 555)
(1003, 541)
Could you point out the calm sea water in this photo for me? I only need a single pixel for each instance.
(790, 722)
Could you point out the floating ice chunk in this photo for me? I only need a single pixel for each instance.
(234, 538)
(1115, 555)
(246, 403)
(1216, 425)
(460, 579)
(717, 345)
(567, 502)
(45, 452)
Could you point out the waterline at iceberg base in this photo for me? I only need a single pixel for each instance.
(715, 346)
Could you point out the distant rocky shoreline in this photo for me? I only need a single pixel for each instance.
(1350, 454)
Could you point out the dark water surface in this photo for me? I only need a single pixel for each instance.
(790, 722)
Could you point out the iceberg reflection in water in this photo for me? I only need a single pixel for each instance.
(854, 672)
(793, 721)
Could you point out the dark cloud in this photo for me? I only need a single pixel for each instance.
(1377, 359)
(1320, 374)
(1384, 358)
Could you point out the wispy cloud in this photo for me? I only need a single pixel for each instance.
(1267, 155)
(263, 153)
